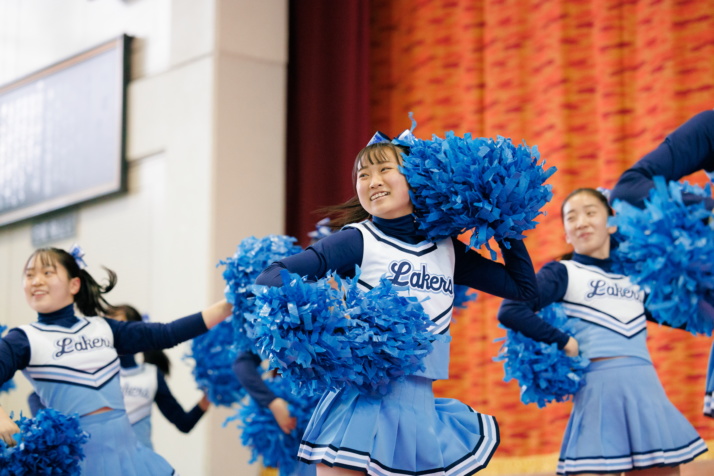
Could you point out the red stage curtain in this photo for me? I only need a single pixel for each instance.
(328, 106)
(595, 84)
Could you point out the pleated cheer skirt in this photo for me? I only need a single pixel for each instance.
(113, 450)
(622, 420)
(406, 432)
(709, 391)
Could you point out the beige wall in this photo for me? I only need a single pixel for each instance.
(205, 143)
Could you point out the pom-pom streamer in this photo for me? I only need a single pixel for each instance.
(252, 256)
(260, 431)
(51, 443)
(667, 248)
(544, 373)
(322, 337)
(213, 354)
(490, 187)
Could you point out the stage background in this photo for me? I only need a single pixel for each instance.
(594, 84)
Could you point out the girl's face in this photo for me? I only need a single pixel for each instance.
(47, 285)
(383, 190)
(585, 221)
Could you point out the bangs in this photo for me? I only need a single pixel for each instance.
(376, 154)
(44, 257)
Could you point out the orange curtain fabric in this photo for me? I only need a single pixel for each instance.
(595, 84)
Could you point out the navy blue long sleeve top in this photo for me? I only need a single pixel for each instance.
(129, 337)
(343, 250)
(552, 286)
(245, 367)
(686, 150)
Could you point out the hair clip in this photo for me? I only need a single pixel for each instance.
(407, 138)
(145, 318)
(378, 137)
(77, 253)
(605, 192)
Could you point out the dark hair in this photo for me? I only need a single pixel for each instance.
(89, 300)
(595, 193)
(154, 356)
(351, 211)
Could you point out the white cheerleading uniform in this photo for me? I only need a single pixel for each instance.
(407, 431)
(622, 419)
(74, 370)
(139, 386)
(427, 270)
(609, 312)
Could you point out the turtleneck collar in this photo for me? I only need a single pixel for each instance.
(60, 317)
(403, 228)
(604, 264)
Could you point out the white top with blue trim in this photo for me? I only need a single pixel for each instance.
(427, 269)
(608, 312)
(74, 369)
(139, 386)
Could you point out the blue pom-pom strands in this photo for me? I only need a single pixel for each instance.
(214, 353)
(668, 249)
(252, 256)
(486, 186)
(51, 443)
(545, 374)
(261, 433)
(328, 334)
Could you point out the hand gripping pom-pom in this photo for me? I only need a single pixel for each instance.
(486, 186)
(252, 256)
(667, 248)
(544, 373)
(261, 433)
(50, 443)
(213, 354)
(322, 337)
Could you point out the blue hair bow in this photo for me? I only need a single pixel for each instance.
(405, 139)
(77, 253)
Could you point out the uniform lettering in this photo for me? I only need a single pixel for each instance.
(600, 287)
(67, 345)
(404, 274)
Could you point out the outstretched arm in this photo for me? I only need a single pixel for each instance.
(172, 409)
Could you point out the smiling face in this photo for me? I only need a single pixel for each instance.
(381, 188)
(47, 285)
(585, 222)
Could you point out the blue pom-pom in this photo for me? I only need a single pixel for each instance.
(49, 444)
(486, 186)
(261, 433)
(544, 373)
(214, 353)
(252, 256)
(667, 248)
(10, 384)
(322, 337)
(463, 295)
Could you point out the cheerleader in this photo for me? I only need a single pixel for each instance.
(73, 364)
(621, 419)
(407, 431)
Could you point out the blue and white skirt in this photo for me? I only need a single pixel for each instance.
(113, 450)
(406, 432)
(622, 420)
(709, 391)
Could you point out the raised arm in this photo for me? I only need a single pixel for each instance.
(133, 337)
(513, 280)
(686, 150)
